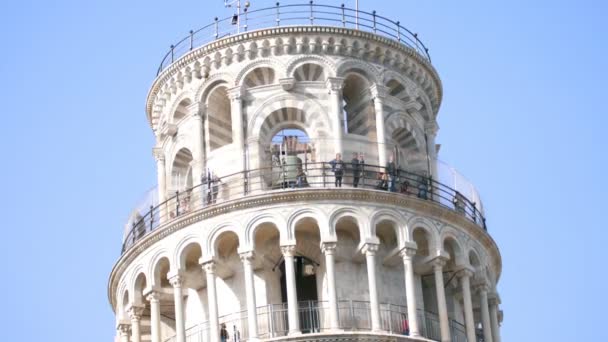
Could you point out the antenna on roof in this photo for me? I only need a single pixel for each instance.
(236, 20)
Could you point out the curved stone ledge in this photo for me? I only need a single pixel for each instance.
(423, 208)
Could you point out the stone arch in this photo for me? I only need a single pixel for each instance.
(156, 265)
(185, 96)
(311, 112)
(300, 214)
(124, 300)
(139, 284)
(474, 259)
(419, 224)
(392, 216)
(181, 170)
(452, 245)
(347, 212)
(255, 223)
(184, 247)
(219, 116)
(310, 72)
(214, 236)
(274, 64)
(295, 63)
(203, 90)
(353, 65)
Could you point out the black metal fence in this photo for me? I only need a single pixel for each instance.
(293, 177)
(294, 15)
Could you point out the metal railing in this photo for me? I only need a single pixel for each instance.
(314, 317)
(309, 14)
(289, 177)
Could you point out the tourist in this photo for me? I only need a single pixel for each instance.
(337, 167)
(357, 165)
(223, 333)
(406, 326)
(391, 170)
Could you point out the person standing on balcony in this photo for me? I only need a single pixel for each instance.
(406, 325)
(357, 165)
(337, 167)
(391, 170)
(223, 333)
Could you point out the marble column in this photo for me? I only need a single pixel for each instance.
(328, 249)
(485, 313)
(123, 331)
(335, 85)
(378, 94)
(410, 290)
(465, 281)
(370, 250)
(494, 301)
(135, 316)
(214, 333)
(154, 298)
(438, 264)
(236, 111)
(180, 324)
(430, 130)
(292, 295)
(199, 149)
(252, 317)
(161, 178)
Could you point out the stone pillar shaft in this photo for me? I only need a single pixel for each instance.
(410, 291)
(494, 320)
(441, 303)
(214, 333)
(370, 256)
(154, 299)
(468, 305)
(292, 295)
(328, 249)
(252, 318)
(180, 324)
(485, 314)
(238, 139)
(335, 85)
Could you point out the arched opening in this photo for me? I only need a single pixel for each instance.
(182, 110)
(166, 302)
(310, 72)
(474, 260)
(398, 90)
(181, 171)
(422, 239)
(406, 151)
(230, 282)
(307, 265)
(259, 77)
(359, 112)
(291, 152)
(139, 286)
(219, 117)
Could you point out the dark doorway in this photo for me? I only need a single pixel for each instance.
(306, 287)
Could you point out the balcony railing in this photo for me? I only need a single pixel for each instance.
(309, 14)
(314, 317)
(294, 178)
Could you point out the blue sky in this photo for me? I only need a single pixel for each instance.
(523, 117)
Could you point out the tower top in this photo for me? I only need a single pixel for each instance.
(248, 20)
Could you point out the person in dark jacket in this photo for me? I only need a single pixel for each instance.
(357, 166)
(337, 167)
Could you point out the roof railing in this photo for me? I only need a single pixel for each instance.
(310, 14)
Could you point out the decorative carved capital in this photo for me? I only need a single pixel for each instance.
(287, 83)
(124, 329)
(328, 248)
(370, 249)
(176, 281)
(235, 93)
(209, 267)
(335, 84)
(439, 263)
(153, 296)
(465, 272)
(159, 154)
(135, 312)
(431, 128)
(288, 251)
(407, 253)
(247, 256)
(378, 91)
(481, 287)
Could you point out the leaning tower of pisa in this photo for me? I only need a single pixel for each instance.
(299, 192)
